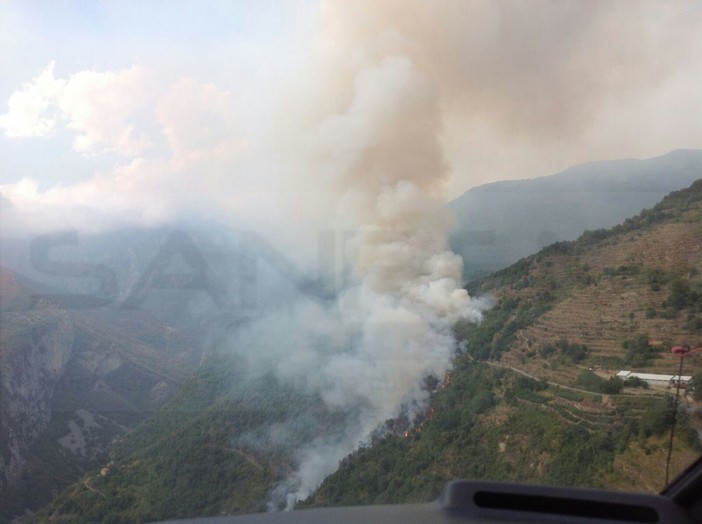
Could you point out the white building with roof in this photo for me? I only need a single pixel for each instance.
(657, 380)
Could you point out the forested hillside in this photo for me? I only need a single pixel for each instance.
(209, 451)
(532, 396)
(569, 317)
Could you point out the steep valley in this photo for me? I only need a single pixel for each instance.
(70, 386)
(532, 396)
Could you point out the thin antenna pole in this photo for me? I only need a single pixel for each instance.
(682, 352)
(675, 416)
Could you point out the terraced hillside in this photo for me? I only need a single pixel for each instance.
(533, 396)
(641, 279)
(578, 312)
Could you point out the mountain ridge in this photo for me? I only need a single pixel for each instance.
(499, 223)
(600, 170)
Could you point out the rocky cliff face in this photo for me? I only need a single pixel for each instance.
(36, 346)
(70, 383)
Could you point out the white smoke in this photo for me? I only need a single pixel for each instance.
(369, 352)
(358, 142)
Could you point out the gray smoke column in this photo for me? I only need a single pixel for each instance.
(379, 159)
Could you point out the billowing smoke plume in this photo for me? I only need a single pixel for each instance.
(398, 98)
(368, 354)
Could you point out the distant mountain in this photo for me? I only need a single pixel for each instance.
(192, 274)
(499, 223)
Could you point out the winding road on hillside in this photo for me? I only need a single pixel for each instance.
(562, 386)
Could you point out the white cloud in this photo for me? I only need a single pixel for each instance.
(94, 205)
(176, 141)
(108, 110)
(105, 109)
(32, 110)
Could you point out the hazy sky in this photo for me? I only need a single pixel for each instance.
(118, 111)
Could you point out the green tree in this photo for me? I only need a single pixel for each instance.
(636, 382)
(638, 351)
(589, 380)
(612, 386)
(680, 295)
(658, 419)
